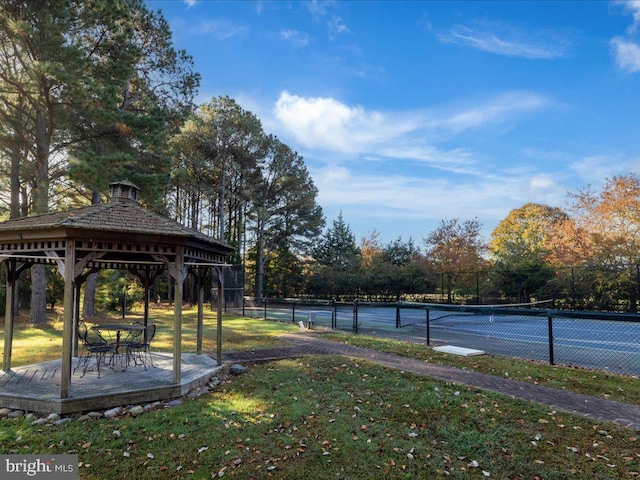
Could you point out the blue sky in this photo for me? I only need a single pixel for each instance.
(411, 112)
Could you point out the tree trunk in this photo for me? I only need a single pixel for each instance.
(221, 205)
(38, 295)
(15, 213)
(40, 205)
(259, 263)
(89, 302)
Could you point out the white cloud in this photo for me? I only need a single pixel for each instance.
(402, 200)
(336, 27)
(190, 3)
(320, 7)
(344, 146)
(335, 173)
(544, 188)
(295, 37)
(596, 168)
(631, 7)
(221, 29)
(496, 110)
(541, 182)
(458, 160)
(327, 124)
(627, 54)
(511, 41)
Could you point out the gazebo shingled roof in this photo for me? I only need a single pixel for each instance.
(119, 234)
(115, 216)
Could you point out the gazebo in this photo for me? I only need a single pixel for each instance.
(119, 235)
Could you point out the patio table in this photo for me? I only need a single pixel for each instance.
(119, 358)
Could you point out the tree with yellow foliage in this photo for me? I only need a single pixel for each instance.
(607, 236)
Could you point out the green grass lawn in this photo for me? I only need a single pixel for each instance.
(623, 388)
(324, 417)
(33, 344)
(333, 417)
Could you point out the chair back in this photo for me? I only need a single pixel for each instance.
(133, 336)
(83, 331)
(151, 332)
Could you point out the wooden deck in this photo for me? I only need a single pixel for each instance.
(36, 388)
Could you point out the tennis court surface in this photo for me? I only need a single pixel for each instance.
(600, 341)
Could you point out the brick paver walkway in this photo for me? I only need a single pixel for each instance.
(593, 407)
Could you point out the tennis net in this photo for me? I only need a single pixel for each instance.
(452, 315)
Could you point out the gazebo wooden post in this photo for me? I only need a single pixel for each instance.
(220, 273)
(68, 318)
(147, 287)
(76, 317)
(200, 326)
(177, 314)
(9, 313)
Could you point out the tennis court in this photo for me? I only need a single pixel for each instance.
(609, 342)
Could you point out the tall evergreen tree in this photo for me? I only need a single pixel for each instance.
(84, 77)
(285, 217)
(217, 154)
(41, 69)
(337, 249)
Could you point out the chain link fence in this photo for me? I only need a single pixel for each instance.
(600, 341)
(614, 288)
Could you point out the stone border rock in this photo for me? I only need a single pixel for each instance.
(221, 377)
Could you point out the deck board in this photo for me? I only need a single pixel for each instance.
(37, 387)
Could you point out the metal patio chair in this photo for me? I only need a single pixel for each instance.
(140, 352)
(93, 346)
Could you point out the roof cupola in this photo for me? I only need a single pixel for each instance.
(123, 192)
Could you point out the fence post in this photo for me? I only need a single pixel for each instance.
(428, 332)
(550, 325)
(293, 312)
(264, 300)
(573, 288)
(397, 314)
(244, 301)
(355, 316)
(635, 306)
(334, 314)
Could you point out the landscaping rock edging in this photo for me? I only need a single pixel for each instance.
(54, 419)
